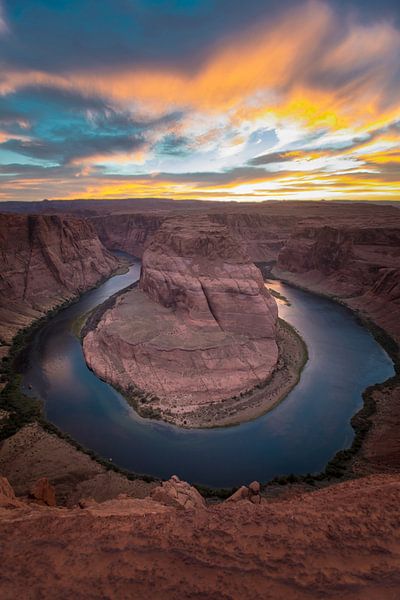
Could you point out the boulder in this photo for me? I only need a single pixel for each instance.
(255, 487)
(178, 494)
(241, 494)
(44, 492)
(7, 495)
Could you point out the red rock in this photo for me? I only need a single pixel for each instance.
(178, 494)
(7, 495)
(45, 260)
(241, 494)
(44, 492)
(255, 487)
(357, 262)
(86, 502)
(255, 499)
(339, 542)
(201, 328)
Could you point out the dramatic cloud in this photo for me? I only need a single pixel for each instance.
(193, 98)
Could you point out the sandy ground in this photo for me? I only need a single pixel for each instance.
(33, 453)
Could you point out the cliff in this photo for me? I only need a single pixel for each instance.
(341, 542)
(359, 263)
(201, 328)
(127, 232)
(45, 260)
(263, 228)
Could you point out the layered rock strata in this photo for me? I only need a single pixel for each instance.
(201, 328)
(45, 260)
(357, 263)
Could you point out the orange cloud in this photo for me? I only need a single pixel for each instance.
(283, 60)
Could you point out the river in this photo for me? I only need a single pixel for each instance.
(298, 436)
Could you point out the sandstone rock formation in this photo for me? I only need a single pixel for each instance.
(341, 542)
(7, 495)
(358, 263)
(201, 328)
(43, 492)
(45, 260)
(127, 232)
(179, 494)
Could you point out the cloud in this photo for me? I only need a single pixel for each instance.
(197, 97)
(3, 23)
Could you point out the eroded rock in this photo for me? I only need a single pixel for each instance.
(7, 495)
(201, 329)
(44, 492)
(178, 494)
(45, 260)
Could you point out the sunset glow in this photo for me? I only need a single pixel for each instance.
(300, 100)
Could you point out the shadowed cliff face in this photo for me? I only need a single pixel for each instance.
(358, 263)
(44, 261)
(202, 326)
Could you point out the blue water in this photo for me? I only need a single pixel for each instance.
(299, 436)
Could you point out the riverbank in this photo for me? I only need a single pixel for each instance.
(31, 447)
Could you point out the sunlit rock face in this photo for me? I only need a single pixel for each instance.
(200, 268)
(45, 259)
(201, 327)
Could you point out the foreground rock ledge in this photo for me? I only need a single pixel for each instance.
(201, 328)
(341, 542)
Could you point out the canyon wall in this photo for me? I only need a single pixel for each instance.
(127, 232)
(45, 260)
(358, 263)
(261, 235)
(202, 326)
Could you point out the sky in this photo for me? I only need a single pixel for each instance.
(207, 99)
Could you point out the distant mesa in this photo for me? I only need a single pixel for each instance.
(200, 328)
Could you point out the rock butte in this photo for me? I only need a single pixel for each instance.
(201, 328)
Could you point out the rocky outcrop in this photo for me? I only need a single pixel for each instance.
(7, 495)
(201, 328)
(178, 494)
(249, 493)
(340, 542)
(198, 268)
(45, 260)
(43, 492)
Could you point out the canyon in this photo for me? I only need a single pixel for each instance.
(294, 541)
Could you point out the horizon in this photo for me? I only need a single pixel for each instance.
(186, 100)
